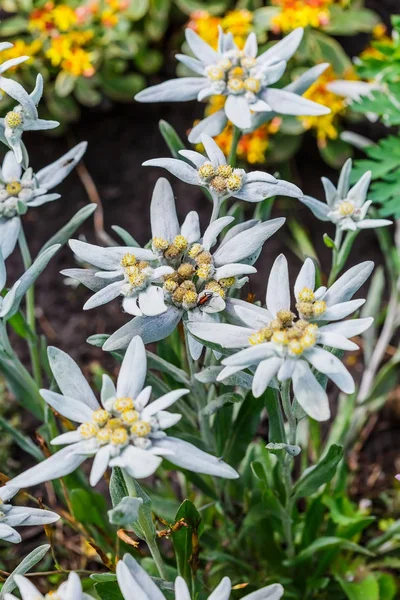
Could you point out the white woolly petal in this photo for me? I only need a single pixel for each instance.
(163, 218)
(162, 403)
(227, 336)
(266, 370)
(133, 370)
(139, 463)
(68, 407)
(278, 290)
(332, 367)
(305, 278)
(238, 112)
(309, 393)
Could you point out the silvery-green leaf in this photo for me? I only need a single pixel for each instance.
(292, 450)
(125, 236)
(13, 299)
(64, 234)
(213, 406)
(126, 512)
(159, 364)
(26, 565)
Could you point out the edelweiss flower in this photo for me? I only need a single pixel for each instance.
(23, 118)
(346, 208)
(12, 88)
(220, 179)
(284, 344)
(198, 279)
(20, 191)
(134, 582)
(19, 516)
(69, 590)
(244, 79)
(125, 430)
(125, 271)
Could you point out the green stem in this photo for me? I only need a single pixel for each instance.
(147, 532)
(341, 255)
(199, 397)
(236, 135)
(287, 468)
(30, 311)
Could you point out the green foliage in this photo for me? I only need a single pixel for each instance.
(383, 160)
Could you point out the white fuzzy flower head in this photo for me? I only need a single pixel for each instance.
(244, 78)
(135, 582)
(285, 344)
(21, 190)
(346, 207)
(125, 430)
(220, 179)
(17, 516)
(69, 590)
(24, 117)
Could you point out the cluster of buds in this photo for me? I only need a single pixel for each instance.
(308, 305)
(136, 274)
(13, 192)
(220, 287)
(289, 334)
(235, 74)
(119, 426)
(170, 251)
(223, 179)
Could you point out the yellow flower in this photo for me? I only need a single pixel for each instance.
(325, 126)
(301, 13)
(237, 22)
(109, 18)
(21, 48)
(63, 17)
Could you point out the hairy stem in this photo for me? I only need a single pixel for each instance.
(287, 468)
(147, 531)
(30, 312)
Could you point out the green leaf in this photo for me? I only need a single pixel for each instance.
(312, 479)
(214, 406)
(243, 429)
(88, 506)
(13, 26)
(64, 84)
(13, 298)
(159, 364)
(119, 490)
(125, 236)
(361, 590)
(22, 440)
(108, 591)
(65, 233)
(326, 543)
(323, 48)
(386, 380)
(186, 540)
(328, 241)
(126, 512)
(137, 9)
(350, 21)
(26, 565)
(278, 447)
(172, 139)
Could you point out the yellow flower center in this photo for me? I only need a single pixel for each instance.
(119, 436)
(160, 244)
(296, 336)
(186, 271)
(234, 183)
(206, 171)
(141, 428)
(346, 208)
(225, 171)
(100, 416)
(190, 298)
(195, 250)
(88, 430)
(13, 188)
(13, 119)
(215, 287)
(252, 84)
(236, 85)
(104, 435)
(248, 62)
(180, 242)
(215, 73)
(204, 272)
(319, 308)
(129, 416)
(123, 403)
(226, 282)
(306, 295)
(236, 73)
(128, 260)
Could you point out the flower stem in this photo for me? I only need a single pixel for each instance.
(341, 253)
(148, 532)
(236, 135)
(287, 468)
(30, 311)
